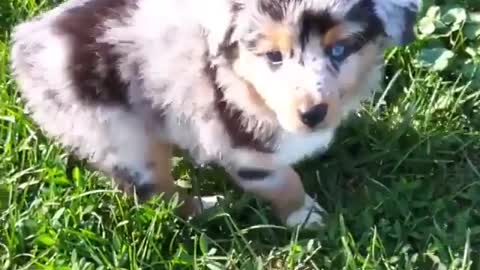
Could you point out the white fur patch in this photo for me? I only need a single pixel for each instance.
(295, 147)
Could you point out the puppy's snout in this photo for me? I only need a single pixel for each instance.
(315, 115)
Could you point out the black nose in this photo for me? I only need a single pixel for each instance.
(315, 115)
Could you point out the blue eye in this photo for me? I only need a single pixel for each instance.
(338, 51)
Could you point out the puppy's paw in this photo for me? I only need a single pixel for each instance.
(207, 202)
(310, 215)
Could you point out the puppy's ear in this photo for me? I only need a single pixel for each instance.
(398, 17)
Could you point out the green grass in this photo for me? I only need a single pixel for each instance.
(401, 183)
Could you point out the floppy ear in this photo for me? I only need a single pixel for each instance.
(398, 17)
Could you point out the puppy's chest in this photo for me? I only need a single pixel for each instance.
(293, 148)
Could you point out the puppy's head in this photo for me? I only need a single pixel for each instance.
(312, 61)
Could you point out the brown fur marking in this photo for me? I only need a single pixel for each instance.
(93, 65)
(276, 37)
(333, 35)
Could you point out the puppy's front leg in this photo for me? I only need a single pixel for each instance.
(160, 155)
(284, 190)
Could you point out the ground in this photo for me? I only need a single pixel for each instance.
(401, 183)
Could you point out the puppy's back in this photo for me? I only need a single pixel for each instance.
(42, 66)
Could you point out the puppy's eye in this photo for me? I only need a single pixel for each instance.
(338, 51)
(275, 57)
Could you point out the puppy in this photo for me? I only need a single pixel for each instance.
(251, 85)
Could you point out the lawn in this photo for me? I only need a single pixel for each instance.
(401, 183)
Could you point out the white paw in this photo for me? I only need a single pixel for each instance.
(309, 215)
(207, 202)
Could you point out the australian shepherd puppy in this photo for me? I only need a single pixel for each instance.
(251, 85)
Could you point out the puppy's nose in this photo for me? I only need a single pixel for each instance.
(314, 115)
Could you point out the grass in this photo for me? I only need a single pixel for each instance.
(401, 183)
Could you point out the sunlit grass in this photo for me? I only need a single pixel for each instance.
(401, 184)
